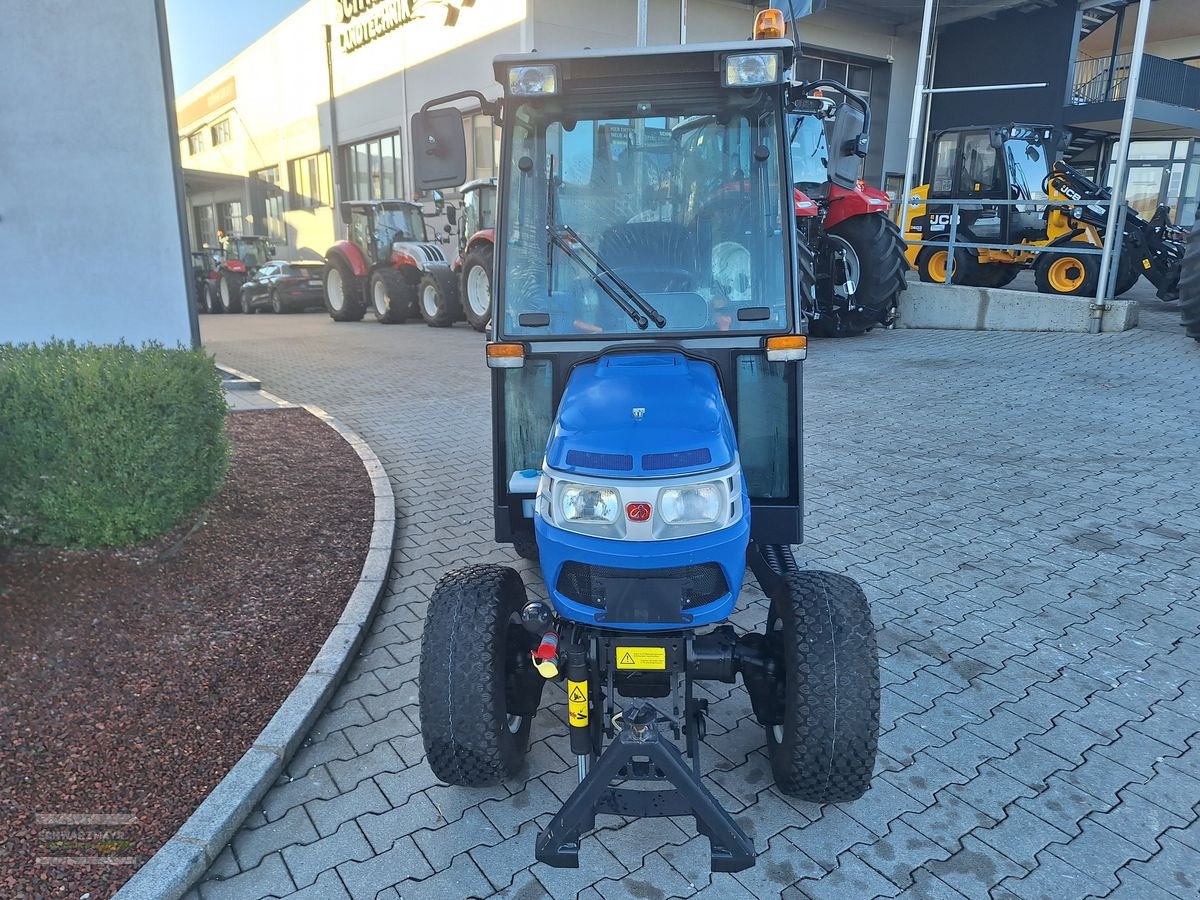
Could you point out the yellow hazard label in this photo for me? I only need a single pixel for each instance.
(577, 703)
(642, 658)
(1145, 263)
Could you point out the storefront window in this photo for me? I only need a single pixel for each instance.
(222, 133)
(267, 202)
(229, 217)
(310, 181)
(373, 169)
(205, 226)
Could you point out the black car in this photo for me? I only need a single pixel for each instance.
(285, 286)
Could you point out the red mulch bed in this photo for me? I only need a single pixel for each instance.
(130, 683)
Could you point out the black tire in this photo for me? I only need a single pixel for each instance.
(1189, 283)
(387, 297)
(247, 305)
(826, 704)
(481, 257)
(526, 546)
(343, 291)
(1127, 275)
(931, 262)
(277, 305)
(874, 251)
(211, 306)
(476, 676)
(229, 292)
(437, 298)
(1068, 274)
(995, 275)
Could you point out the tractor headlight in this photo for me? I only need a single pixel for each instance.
(751, 69)
(695, 504)
(588, 504)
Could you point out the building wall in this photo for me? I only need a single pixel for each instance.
(1016, 48)
(90, 241)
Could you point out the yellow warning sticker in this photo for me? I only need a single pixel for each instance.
(577, 703)
(642, 658)
(1145, 263)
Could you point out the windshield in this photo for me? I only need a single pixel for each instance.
(810, 151)
(1028, 165)
(678, 217)
(249, 251)
(404, 224)
(479, 210)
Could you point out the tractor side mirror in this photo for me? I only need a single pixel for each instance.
(848, 146)
(344, 209)
(451, 217)
(439, 149)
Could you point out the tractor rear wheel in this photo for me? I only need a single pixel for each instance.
(1068, 274)
(867, 275)
(387, 299)
(478, 690)
(229, 292)
(1189, 283)
(437, 298)
(343, 292)
(477, 286)
(826, 697)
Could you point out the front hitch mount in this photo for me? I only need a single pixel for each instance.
(639, 752)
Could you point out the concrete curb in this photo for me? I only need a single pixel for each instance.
(184, 859)
(233, 380)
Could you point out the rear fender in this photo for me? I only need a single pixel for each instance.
(349, 251)
(862, 201)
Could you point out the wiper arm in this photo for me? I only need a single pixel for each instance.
(558, 240)
(599, 267)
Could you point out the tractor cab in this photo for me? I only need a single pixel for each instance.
(645, 347)
(376, 225)
(478, 211)
(250, 250)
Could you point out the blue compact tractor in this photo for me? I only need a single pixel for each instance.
(646, 345)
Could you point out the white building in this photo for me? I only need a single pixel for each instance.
(257, 135)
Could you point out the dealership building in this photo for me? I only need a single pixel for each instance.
(315, 111)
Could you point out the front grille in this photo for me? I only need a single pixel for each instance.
(680, 587)
(614, 462)
(684, 459)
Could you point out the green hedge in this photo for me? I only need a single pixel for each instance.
(104, 446)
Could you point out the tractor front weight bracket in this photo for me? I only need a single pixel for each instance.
(640, 752)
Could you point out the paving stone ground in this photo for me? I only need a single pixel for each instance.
(1023, 512)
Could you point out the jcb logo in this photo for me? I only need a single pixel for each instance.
(940, 222)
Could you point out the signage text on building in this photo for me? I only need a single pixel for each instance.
(366, 20)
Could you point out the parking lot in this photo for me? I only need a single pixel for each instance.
(1023, 512)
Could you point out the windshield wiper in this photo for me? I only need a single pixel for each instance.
(566, 239)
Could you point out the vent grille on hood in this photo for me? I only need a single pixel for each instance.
(684, 459)
(614, 462)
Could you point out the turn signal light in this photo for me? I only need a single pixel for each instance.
(505, 356)
(769, 24)
(787, 347)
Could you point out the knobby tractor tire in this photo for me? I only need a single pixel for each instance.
(478, 689)
(437, 298)
(875, 240)
(807, 268)
(1068, 274)
(477, 265)
(230, 286)
(343, 291)
(1189, 283)
(1127, 274)
(389, 296)
(823, 750)
(526, 546)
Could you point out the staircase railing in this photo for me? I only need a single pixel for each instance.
(1104, 80)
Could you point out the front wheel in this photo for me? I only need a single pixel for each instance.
(478, 690)
(823, 727)
(343, 291)
(229, 292)
(1068, 274)
(437, 298)
(477, 286)
(277, 305)
(390, 308)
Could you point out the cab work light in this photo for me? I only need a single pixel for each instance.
(532, 81)
(787, 347)
(505, 356)
(751, 69)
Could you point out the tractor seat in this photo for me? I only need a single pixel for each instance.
(651, 256)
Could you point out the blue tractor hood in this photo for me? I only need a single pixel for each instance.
(642, 415)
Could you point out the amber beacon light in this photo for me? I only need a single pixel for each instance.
(769, 25)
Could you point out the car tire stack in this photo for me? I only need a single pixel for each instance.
(1189, 283)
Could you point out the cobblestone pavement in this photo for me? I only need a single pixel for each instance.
(1023, 512)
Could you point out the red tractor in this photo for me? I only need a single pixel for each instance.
(237, 259)
(389, 263)
(858, 251)
(476, 250)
